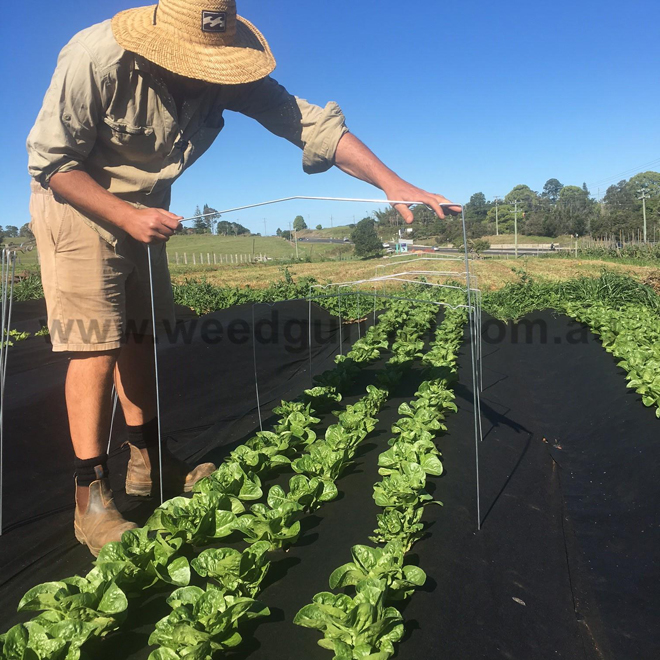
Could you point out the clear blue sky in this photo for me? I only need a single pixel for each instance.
(457, 97)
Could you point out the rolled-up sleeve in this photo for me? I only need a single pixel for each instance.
(315, 130)
(65, 130)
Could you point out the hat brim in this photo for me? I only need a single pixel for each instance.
(249, 58)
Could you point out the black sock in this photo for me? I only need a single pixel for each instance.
(90, 469)
(144, 436)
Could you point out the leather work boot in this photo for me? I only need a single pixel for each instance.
(176, 477)
(101, 522)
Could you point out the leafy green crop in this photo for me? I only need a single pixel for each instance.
(363, 626)
(237, 573)
(277, 525)
(359, 627)
(381, 564)
(202, 623)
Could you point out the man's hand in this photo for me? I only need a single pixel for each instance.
(356, 159)
(404, 191)
(144, 225)
(151, 225)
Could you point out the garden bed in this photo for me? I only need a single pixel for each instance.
(563, 567)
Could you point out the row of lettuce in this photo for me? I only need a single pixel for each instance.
(622, 311)
(361, 621)
(77, 610)
(195, 627)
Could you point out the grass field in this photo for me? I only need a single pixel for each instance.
(343, 231)
(492, 274)
(272, 246)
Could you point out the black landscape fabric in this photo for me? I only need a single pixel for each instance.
(566, 562)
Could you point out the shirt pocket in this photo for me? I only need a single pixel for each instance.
(136, 143)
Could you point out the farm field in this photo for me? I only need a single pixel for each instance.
(272, 246)
(345, 478)
(493, 273)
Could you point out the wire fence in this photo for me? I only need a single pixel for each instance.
(213, 258)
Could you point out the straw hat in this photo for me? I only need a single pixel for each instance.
(201, 39)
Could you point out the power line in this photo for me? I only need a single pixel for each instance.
(625, 173)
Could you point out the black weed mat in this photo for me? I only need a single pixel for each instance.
(566, 562)
(207, 401)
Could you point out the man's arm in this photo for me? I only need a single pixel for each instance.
(325, 140)
(64, 135)
(355, 158)
(82, 192)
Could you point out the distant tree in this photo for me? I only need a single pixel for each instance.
(649, 180)
(211, 218)
(226, 228)
(505, 218)
(366, 241)
(551, 190)
(523, 194)
(319, 226)
(278, 232)
(299, 223)
(25, 231)
(286, 234)
(390, 216)
(478, 245)
(200, 223)
(11, 231)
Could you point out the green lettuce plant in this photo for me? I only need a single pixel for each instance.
(355, 628)
(381, 564)
(202, 623)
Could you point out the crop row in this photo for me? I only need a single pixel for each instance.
(198, 627)
(78, 609)
(632, 334)
(365, 623)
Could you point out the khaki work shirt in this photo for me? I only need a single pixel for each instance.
(108, 112)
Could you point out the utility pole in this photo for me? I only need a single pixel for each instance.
(295, 238)
(644, 195)
(515, 224)
(331, 225)
(264, 226)
(497, 220)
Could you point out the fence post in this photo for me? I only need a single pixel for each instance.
(201, 258)
(177, 258)
(185, 258)
(208, 258)
(194, 259)
(215, 258)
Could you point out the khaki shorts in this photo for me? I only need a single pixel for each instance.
(96, 282)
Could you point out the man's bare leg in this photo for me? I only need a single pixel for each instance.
(135, 379)
(88, 387)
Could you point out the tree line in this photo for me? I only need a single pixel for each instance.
(556, 210)
(210, 223)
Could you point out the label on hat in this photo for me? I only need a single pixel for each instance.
(214, 21)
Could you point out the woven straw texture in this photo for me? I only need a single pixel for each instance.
(171, 35)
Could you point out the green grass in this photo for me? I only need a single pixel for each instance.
(343, 231)
(272, 246)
